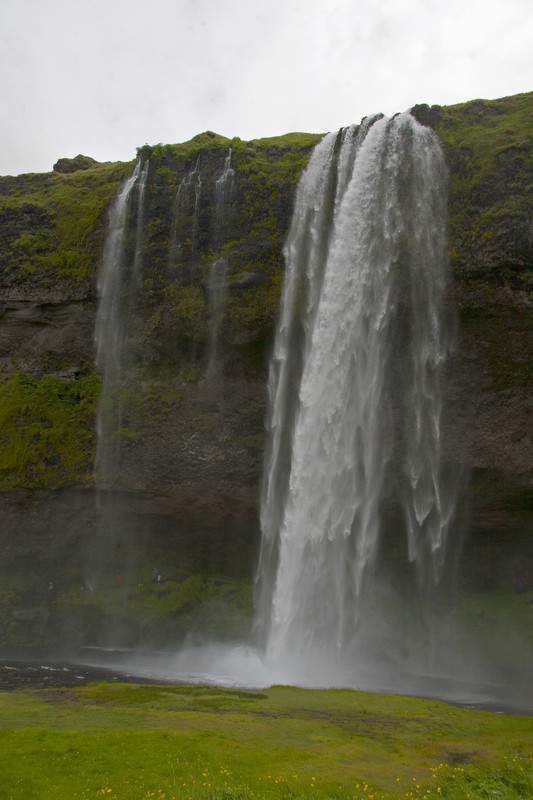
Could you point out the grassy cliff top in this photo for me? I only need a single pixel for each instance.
(52, 224)
(489, 147)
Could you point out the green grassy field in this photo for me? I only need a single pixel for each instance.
(207, 743)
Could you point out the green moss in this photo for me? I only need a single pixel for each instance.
(252, 314)
(211, 605)
(52, 230)
(266, 175)
(153, 396)
(161, 154)
(56, 222)
(46, 430)
(182, 310)
(80, 162)
(489, 146)
(499, 131)
(125, 436)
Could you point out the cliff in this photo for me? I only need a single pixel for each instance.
(194, 390)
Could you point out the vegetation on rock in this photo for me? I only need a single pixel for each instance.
(53, 228)
(43, 608)
(489, 146)
(47, 433)
(74, 164)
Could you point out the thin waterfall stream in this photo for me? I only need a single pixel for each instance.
(216, 279)
(185, 223)
(119, 292)
(110, 331)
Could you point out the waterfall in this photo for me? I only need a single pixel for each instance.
(354, 390)
(185, 220)
(217, 290)
(136, 277)
(118, 287)
(216, 282)
(223, 197)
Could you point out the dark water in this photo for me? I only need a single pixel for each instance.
(47, 674)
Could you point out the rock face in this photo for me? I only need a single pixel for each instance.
(58, 334)
(194, 383)
(488, 148)
(74, 164)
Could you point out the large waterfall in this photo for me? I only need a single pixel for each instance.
(355, 406)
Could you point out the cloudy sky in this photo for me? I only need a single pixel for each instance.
(101, 77)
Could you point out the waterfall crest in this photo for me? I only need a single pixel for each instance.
(354, 387)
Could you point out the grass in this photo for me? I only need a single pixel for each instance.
(489, 149)
(488, 132)
(208, 743)
(46, 430)
(54, 222)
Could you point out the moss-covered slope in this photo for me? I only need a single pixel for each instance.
(489, 146)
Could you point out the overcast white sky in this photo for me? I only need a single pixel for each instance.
(105, 76)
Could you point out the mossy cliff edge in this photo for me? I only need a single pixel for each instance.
(191, 438)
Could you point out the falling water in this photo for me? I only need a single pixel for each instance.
(136, 276)
(354, 391)
(216, 282)
(185, 220)
(115, 284)
(217, 290)
(223, 197)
